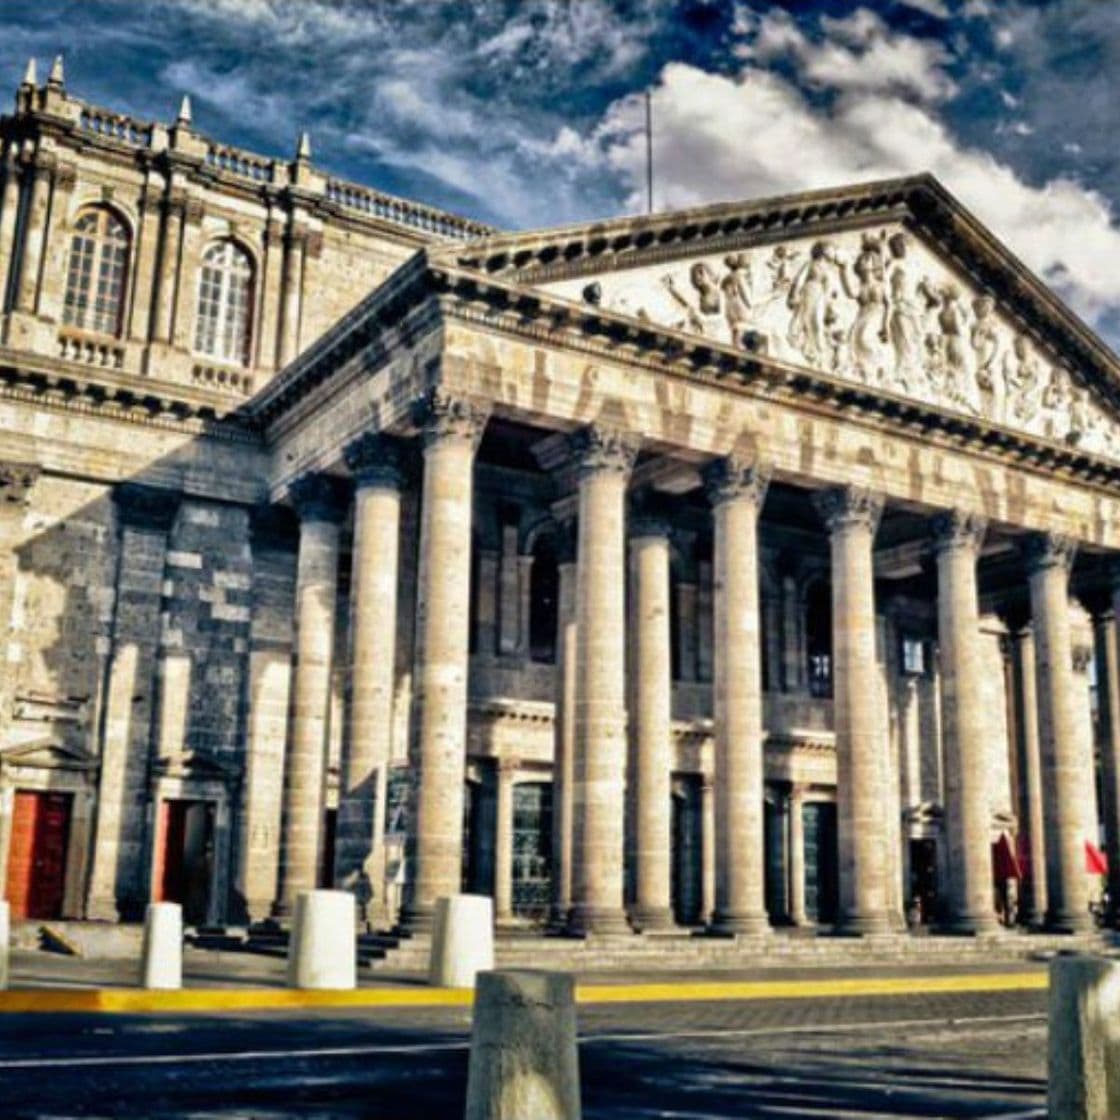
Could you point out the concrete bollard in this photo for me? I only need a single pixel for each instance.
(5, 942)
(161, 963)
(1084, 1063)
(462, 940)
(524, 1063)
(322, 952)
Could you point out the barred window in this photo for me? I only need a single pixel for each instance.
(225, 300)
(96, 274)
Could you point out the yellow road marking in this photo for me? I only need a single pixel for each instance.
(138, 1001)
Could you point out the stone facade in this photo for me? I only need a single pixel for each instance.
(710, 568)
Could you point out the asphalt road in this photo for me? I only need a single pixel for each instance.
(947, 1055)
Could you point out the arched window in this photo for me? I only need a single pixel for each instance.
(98, 268)
(225, 301)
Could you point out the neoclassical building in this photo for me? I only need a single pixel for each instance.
(738, 567)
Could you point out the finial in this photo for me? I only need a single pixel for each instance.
(184, 110)
(56, 77)
(30, 78)
(303, 150)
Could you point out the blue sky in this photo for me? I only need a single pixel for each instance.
(528, 113)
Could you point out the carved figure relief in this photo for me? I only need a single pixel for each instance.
(874, 307)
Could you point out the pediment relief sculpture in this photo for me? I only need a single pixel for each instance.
(876, 307)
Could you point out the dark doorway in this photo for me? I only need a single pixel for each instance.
(688, 854)
(326, 861)
(822, 882)
(544, 601)
(185, 854)
(774, 863)
(37, 854)
(923, 880)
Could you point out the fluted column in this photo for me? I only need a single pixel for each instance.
(605, 459)
(503, 840)
(451, 428)
(1105, 639)
(1065, 761)
(958, 538)
(651, 723)
(852, 516)
(318, 501)
(564, 726)
(375, 463)
(736, 490)
(797, 855)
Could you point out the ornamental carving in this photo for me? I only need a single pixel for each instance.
(1048, 550)
(958, 529)
(874, 307)
(734, 477)
(845, 507)
(439, 415)
(318, 497)
(16, 481)
(375, 460)
(601, 448)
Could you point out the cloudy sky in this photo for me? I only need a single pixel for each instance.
(529, 112)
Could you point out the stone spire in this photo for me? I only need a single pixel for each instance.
(56, 77)
(30, 77)
(303, 148)
(184, 117)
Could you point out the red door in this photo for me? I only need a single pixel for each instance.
(37, 855)
(184, 856)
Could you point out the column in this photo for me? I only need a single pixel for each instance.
(1105, 638)
(117, 884)
(862, 799)
(268, 343)
(451, 428)
(34, 236)
(506, 769)
(651, 724)
(318, 502)
(564, 725)
(1065, 762)
(9, 208)
(736, 490)
(708, 848)
(290, 295)
(797, 855)
(605, 459)
(375, 463)
(174, 209)
(958, 538)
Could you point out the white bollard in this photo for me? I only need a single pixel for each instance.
(462, 940)
(5, 942)
(323, 950)
(524, 1062)
(1084, 1064)
(161, 964)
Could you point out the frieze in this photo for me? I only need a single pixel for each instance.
(876, 308)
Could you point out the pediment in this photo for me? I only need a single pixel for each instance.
(897, 290)
(47, 754)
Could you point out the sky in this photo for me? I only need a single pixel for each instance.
(529, 113)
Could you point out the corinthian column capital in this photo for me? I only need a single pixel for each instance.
(958, 529)
(735, 477)
(375, 460)
(318, 497)
(441, 415)
(1048, 550)
(601, 448)
(844, 507)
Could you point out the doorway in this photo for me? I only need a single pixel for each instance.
(37, 855)
(185, 854)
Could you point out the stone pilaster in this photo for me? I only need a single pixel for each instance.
(268, 342)
(505, 772)
(564, 726)
(1107, 653)
(509, 594)
(863, 800)
(291, 291)
(605, 460)
(171, 234)
(318, 500)
(1065, 761)
(190, 263)
(651, 724)
(117, 882)
(16, 483)
(375, 463)
(958, 539)
(142, 280)
(56, 245)
(451, 429)
(9, 208)
(793, 667)
(796, 896)
(707, 849)
(736, 490)
(34, 232)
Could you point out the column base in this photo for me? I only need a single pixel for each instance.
(585, 919)
(864, 925)
(730, 923)
(1060, 921)
(970, 925)
(646, 919)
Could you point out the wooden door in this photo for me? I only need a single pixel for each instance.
(37, 854)
(184, 856)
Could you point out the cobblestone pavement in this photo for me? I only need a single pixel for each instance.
(946, 1055)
